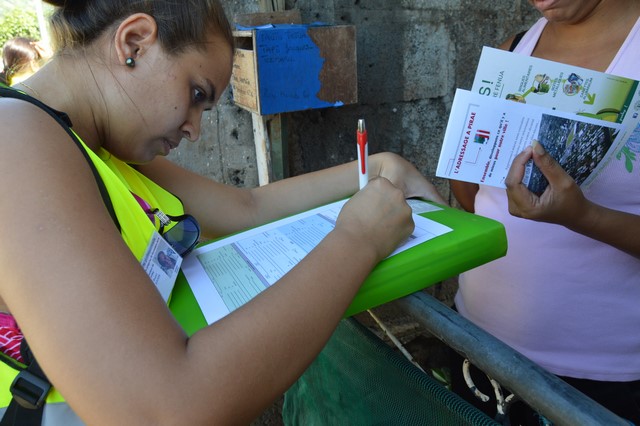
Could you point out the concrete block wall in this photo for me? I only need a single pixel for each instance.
(412, 55)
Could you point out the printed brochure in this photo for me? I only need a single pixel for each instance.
(485, 134)
(581, 117)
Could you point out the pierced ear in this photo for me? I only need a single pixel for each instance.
(134, 36)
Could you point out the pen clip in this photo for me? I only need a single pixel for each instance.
(362, 145)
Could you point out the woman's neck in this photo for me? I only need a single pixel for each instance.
(75, 96)
(590, 41)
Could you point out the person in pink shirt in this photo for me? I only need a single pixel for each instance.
(566, 294)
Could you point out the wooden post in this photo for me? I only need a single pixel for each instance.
(262, 145)
(271, 5)
(277, 127)
(267, 130)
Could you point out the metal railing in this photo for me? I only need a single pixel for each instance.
(546, 393)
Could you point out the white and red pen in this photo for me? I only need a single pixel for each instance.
(363, 154)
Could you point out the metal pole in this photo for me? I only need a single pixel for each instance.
(42, 23)
(546, 393)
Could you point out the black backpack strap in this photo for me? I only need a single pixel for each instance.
(29, 389)
(516, 40)
(65, 122)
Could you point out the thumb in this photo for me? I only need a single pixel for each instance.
(546, 163)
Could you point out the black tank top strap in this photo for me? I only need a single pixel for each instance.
(516, 40)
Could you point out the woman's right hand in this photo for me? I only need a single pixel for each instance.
(379, 216)
(562, 202)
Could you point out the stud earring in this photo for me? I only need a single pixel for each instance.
(130, 62)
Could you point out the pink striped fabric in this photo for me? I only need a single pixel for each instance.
(10, 337)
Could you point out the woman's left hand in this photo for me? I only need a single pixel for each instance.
(405, 176)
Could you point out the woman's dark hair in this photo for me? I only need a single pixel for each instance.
(181, 23)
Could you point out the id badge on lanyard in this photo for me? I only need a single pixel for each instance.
(162, 263)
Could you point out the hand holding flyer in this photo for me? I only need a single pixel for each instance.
(485, 134)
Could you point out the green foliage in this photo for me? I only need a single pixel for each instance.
(18, 22)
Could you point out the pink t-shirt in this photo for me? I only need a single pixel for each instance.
(567, 302)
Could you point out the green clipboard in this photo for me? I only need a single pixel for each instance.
(475, 240)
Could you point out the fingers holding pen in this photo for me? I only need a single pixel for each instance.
(379, 214)
(405, 176)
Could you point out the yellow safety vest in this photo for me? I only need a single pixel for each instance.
(119, 180)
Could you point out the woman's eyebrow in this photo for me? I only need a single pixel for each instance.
(212, 92)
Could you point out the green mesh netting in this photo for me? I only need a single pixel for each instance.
(359, 380)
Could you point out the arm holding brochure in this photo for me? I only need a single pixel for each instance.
(573, 245)
(487, 131)
(564, 203)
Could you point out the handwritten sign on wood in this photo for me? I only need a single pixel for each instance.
(243, 79)
(293, 67)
